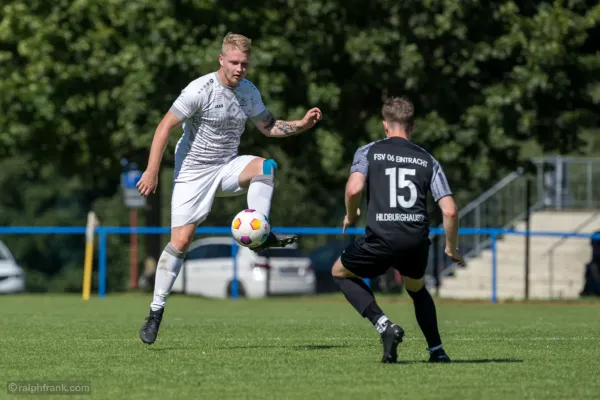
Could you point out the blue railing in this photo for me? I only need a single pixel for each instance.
(103, 233)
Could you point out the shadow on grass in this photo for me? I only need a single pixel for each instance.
(297, 347)
(320, 346)
(170, 348)
(477, 361)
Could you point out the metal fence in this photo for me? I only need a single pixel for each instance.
(103, 232)
(555, 183)
(568, 182)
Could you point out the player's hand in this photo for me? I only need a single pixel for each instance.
(455, 255)
(311, 118)
(147, 183)
(350, 222)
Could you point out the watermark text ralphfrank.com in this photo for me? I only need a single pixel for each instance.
(49, 387)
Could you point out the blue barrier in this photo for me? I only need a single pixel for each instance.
(103, 232)
(42, 230)
(234, 281)
(494, 268)
(493, 232)
(102, 264)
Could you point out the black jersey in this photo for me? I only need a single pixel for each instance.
(399, 176)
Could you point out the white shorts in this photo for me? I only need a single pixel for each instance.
(195, 190)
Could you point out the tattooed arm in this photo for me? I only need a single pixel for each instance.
(271, 127)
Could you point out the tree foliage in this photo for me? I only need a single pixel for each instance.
(84, 83)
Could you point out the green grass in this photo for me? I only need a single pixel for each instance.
(301, 348)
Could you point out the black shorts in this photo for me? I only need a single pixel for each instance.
(371, 258)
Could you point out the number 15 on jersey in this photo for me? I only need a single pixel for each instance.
(398, 179)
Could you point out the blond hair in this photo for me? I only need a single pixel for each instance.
(238, 42)
(399, 110)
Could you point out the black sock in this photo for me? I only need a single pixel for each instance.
(426, 316)
(361, 297)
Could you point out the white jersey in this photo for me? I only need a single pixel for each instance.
(214, 118)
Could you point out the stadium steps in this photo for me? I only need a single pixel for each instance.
(551, 276)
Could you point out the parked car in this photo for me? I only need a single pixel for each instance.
(12, 277)
(323, 258)
(208, 270)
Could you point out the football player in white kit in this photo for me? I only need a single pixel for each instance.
(213, 110)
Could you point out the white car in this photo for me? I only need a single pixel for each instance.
(208, 270)
(12, 277)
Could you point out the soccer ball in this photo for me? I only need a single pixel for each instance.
(250, 228)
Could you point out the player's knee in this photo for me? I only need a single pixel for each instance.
(339, 271)
(181, 239)
(267, 173)
(414, 285)
(269, 167)
(181, 243)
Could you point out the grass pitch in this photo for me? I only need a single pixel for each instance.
(298, 348)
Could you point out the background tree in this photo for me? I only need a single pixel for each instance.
(84, 83)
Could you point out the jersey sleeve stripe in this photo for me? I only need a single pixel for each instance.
(177, 112)
(260, 116)
(439, 183)
(361, 162)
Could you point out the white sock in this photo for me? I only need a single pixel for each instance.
(167, 269)
(260, 193)
(381, 324)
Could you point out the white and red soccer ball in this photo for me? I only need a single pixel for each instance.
(250, 228)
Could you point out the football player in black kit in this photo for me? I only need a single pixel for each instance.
(398, 175)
